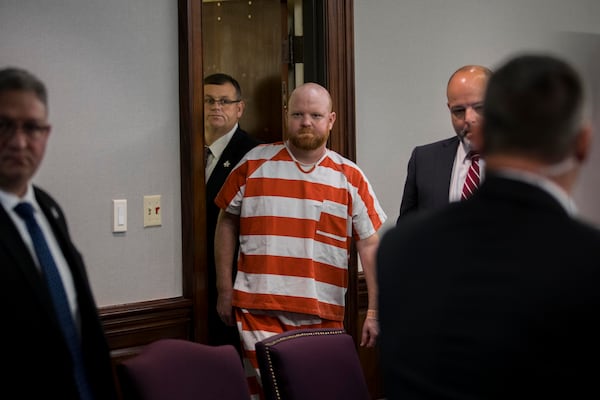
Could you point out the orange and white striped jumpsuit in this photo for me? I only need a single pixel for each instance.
(295, 231)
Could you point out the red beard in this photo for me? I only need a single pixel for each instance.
(306, 139)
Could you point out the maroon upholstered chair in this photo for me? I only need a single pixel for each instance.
(311, 364)
(170, 369)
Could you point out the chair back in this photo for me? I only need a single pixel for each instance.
(170, 369)
(311, 364)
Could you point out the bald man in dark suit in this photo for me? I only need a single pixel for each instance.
(436, 171)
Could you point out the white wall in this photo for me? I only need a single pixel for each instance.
(111, 68)
(406, 51)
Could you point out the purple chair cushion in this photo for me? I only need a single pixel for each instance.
(311, 364)
(181, 369)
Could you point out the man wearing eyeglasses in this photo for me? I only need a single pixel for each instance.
(437, 171)
(225, 145)
(55, 343)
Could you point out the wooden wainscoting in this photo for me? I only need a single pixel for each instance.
(129, 327)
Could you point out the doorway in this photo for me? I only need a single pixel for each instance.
(247, 40)
(333, 42)
(297, 41)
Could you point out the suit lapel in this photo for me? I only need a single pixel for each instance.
(445, 164)
(19, 257)
(57, 222)
(74, 261)
(224, 165)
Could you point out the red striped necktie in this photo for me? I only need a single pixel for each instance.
(472, 181)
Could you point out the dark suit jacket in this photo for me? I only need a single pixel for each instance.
(238, 146)
(496, 297)
(36, 359)
(428, 176)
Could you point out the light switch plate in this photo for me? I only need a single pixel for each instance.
(120, 215)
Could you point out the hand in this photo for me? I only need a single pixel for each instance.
(370, 331)
(224, 309)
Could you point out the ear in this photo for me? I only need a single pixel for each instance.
(332, 117)
(241, 107)
(583, 143)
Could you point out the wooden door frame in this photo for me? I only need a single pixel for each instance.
(339, 56)
(193, 210)
(339, 53)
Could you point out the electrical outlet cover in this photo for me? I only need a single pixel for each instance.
(152, 211)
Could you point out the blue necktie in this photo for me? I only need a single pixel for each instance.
(59, 297)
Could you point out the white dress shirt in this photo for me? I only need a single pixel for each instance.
(462, 163)
(216, 149)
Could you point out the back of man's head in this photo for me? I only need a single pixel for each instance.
(533, 108)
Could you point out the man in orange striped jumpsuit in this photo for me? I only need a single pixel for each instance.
(295, 206)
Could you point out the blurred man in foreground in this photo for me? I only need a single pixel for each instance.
(54, 341)
(496, 297)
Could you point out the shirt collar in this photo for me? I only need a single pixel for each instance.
(10, 200)
(218, 146)
(462, 152)
(543, 183)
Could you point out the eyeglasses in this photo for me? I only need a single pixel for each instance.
(209, 101)
(461, 111)
(32, 129)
